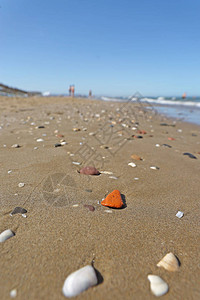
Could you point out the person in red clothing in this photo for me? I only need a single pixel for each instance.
(72, 90)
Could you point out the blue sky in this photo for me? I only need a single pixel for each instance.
(112, 47)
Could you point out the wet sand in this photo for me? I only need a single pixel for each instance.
(60, 235)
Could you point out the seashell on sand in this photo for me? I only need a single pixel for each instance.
(158, 286)
(79, 281)
(6, 234)
(169, 262)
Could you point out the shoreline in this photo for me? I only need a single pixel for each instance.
(60, 235)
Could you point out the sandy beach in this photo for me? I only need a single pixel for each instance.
(59, 235)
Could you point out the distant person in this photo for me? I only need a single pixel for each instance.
(72, 90)
(90, 93)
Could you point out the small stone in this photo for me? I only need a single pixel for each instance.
(131, 164)
(179, 214)
(40, 140)
(171, 139)
(90, 207)
(166, 145)
(21, 184)
(40, 127)
(113, 200)
(89, 171)
(13, 293)
(18, 210)
(76, 129)
(57, 145)
(136, 157)
(15, 146)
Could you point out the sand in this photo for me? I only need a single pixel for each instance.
(60, 235)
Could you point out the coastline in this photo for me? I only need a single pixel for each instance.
(58, 238)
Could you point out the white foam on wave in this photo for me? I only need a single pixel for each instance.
(171, 102)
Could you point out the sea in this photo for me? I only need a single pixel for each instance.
(186, 110)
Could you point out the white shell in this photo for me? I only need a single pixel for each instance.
(6, 234)
(154, 168)
(21, 184)
(40, 140)
(132, 165)
(158, 286)
(79, 281)
(179, 214)
(13, 293)
(169, 262)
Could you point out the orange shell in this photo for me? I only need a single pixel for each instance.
(113, 199)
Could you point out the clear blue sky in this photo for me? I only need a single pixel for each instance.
(112, 47)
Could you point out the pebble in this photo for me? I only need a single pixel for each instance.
(89, 171)
(179, 214)
(136, 157)
(158, 286)
(171, 139)
(131, 164)
(113, 200)
(18, 210)
(190, 155)
(57, 145)
(40, 140)
(79, 281)
(13, 293)
(90, 207)
(108, 211)
(154, 168)
(166, 145)
(6, 234)
(21, 184)
(15, 146)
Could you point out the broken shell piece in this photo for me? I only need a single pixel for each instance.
(179, 214)
(76, 129)
(154, 168)
(106, 172)
(15, 146)
(169, 262)
(21, 184)
(79, 281)
(132, 165)
(158, 286)
(6, 234)
(40, 140)
(76, 163)
(18, 210)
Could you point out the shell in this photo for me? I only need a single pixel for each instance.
(169, 262)
(6, 234)
(79, 281)
(136, 157)
(89, 171)
(158, 286)
(18, 210)
(179, 214)
(131, 164)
